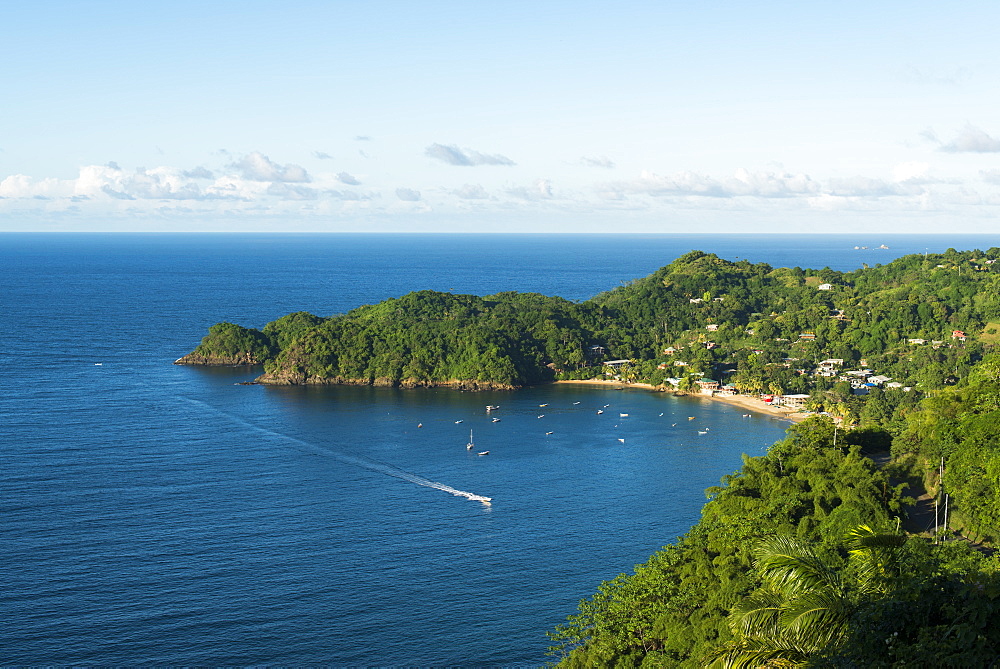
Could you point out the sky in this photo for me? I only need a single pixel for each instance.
(517, 116)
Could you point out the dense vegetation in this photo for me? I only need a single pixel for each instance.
(798, 558)
(825, 589)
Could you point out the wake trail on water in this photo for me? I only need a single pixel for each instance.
(358, 461)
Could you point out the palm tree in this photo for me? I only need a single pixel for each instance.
(806, 603)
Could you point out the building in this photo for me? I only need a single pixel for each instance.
(797, 402)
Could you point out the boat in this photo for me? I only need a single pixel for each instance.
(541, 415)
(600, 411)
(471, 444)
(690, 417)
(547, 433)
(457, 422)
(420, 424)
(496, 420)
(543, 405)
(702, 431)
(575, 402)
(483, 453)
(621, 440)
(623, 415)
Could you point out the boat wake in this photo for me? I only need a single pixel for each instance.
(358, 461)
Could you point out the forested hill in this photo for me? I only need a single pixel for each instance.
(765, 329)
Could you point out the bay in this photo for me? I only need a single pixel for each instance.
(155, 514)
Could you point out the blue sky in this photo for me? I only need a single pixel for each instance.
(515, 116)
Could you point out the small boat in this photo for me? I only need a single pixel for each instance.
(483, 453)
(661, 414)
(469, 446)
(496, 420)
(702, 431)
(457, 422)
(547, 433)
(623, 415)
(543, 405)
(690, 417)
(606, 406)
(541, 415)
(746, 415)
(600, 411)
(575, 402)
(621, 440)
(420, 424)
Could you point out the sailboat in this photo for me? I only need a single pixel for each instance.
(469, 446)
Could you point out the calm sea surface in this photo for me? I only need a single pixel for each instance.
(155, 514)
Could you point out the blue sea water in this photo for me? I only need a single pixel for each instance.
(161, 515)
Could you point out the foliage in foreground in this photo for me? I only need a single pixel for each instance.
(713, 595)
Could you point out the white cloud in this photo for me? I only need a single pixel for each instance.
(601, 161)
(322, 155)
(453, 155)
(22, 186)
(408, 194)
(199, 173)
(258, 167)
(972, 140)
(348, 179)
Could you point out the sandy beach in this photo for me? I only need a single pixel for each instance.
(751, 404)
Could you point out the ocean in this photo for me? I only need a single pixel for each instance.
(162, 515)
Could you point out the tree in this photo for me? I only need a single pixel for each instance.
(807, 601)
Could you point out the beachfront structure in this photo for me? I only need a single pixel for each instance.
(796, 401)
(617, 364)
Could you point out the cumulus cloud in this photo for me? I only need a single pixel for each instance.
(408, 195)
(322, 155)
(199, 173)
(258, 167)
(453, 155)
(362, 138)
(23, 186)
(471, 192)
(348, 179)
(972, 140)
(118, 195)
(601, 161)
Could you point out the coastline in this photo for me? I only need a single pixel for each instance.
(743, 401)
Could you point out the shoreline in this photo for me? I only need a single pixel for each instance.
(742, 401)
